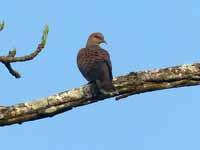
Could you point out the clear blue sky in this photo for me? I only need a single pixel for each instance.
(142, 35)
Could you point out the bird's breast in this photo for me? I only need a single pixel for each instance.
(89, 56)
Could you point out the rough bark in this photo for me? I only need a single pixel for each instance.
(130, 84)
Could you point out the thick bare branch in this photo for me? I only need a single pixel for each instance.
(6, 60)
(132, 83)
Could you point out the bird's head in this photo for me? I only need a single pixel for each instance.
(95, 39)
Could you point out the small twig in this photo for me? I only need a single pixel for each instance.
(6, 60)
(12, 71)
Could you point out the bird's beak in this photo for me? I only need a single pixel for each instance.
(104, 42)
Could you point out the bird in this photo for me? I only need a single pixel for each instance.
(95, 65)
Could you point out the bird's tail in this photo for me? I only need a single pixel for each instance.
(106, 87)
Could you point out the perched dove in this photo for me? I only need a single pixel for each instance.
(95, 65)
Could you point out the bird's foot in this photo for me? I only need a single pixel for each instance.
(94, 89)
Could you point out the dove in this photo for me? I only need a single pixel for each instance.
(95, 65)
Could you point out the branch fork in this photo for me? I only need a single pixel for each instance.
(11, 57)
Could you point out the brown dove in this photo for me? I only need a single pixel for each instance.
(95, 65)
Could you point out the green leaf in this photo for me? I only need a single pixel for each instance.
(45, 34)
(12, 53)
(2, 25)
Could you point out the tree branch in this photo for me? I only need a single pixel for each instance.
(10, 58)
(130, 84)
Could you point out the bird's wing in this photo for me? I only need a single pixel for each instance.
(89, 64)
(106, 58)
(82, 61)
(92, 63)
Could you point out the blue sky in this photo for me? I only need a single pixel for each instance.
(141, 35)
